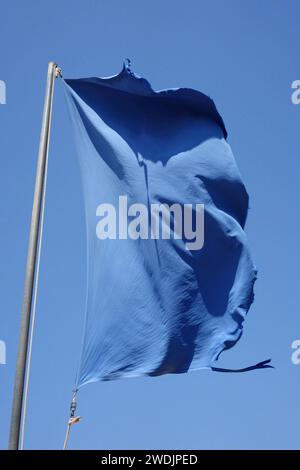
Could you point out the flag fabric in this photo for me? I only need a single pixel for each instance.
(169, 276)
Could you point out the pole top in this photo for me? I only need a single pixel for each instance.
(54, 67)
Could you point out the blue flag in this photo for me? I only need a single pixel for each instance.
(170, 276)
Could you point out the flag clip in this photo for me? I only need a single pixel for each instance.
(72, 420)
(58, 72)
(127, 65)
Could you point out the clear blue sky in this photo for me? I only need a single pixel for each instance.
(245, 55)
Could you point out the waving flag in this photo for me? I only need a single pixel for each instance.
(170, 276)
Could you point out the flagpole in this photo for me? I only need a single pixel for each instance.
(16, 415)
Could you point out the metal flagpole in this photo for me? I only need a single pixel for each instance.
(53, 72)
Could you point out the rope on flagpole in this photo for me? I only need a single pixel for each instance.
(72, 420)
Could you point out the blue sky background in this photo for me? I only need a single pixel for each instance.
(245, 55)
